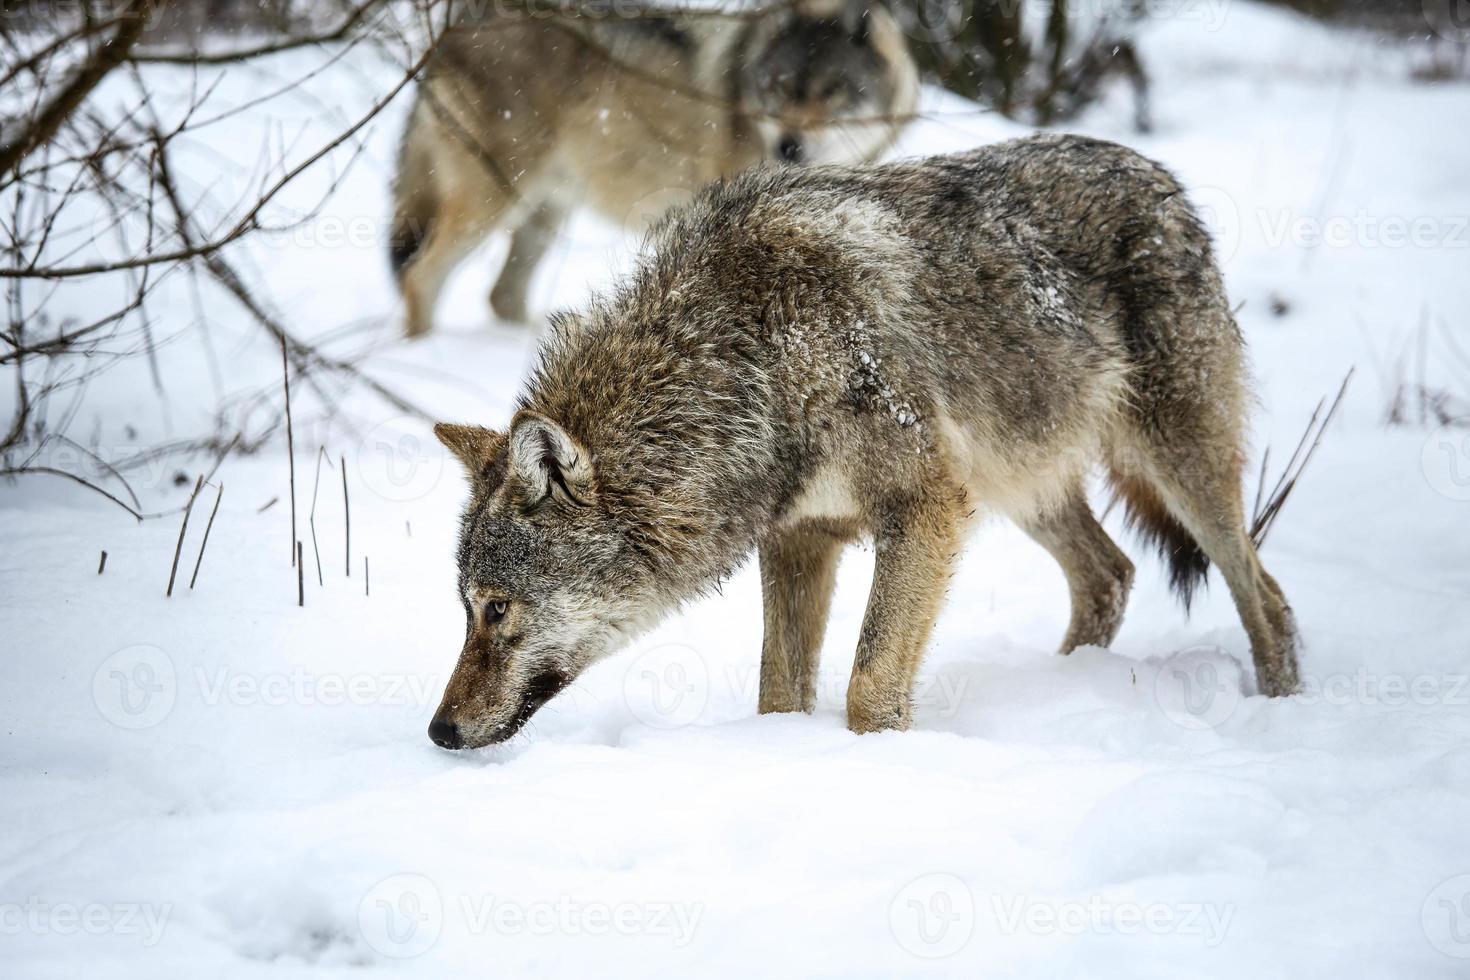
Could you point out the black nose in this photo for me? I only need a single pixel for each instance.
(444, 734)
(790, 149)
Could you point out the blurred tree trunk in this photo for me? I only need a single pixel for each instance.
(982, 53)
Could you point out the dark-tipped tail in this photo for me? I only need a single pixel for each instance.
(1147, 515)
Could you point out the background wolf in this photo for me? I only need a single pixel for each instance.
(522, 117)
(810, 356)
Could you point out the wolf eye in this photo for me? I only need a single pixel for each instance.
(495, 612)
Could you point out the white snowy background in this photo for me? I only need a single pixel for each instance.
(223, 784)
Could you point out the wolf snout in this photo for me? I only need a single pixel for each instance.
(445, 734)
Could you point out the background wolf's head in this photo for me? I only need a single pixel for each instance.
(814, 72)
(543, 576)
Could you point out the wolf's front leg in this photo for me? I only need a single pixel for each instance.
(916, 546)
(798, 570)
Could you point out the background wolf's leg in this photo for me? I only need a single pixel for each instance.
(916, 546)
(1098, 574)
(454, 233)
(798, 572)
(528, 245)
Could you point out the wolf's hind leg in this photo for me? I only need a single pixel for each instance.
(1209, 504)
(915, 552)
(1098, 574)
(528, 245)
(798, 572)
(1199, 485)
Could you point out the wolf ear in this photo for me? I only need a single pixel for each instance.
(477, 447)
(545, 458)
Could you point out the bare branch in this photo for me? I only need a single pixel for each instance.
(341, 31)
(24, 470)
(107, 57)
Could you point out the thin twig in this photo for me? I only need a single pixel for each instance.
(347, 517)
(316, 485)
(111, 470)
(1261, 481)
(102, 564)
(205, 543)
(300, 577)
(23, 470)
(183, 526)
(290, 447)
(1265, 519)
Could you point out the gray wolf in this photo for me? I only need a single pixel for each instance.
(809, 356)
(522, 117)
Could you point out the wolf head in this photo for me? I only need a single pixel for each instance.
(818, 72)
(544, 576)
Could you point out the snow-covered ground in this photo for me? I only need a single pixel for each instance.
(226, 784)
